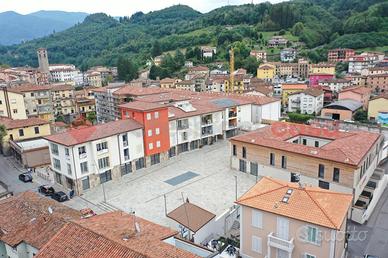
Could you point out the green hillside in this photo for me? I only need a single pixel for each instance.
(319, 24)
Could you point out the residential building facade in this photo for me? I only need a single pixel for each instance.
(309, 101)
(340, 55)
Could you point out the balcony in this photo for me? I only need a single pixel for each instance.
(207, 131)
(280, 243)
(207, 120)
(232, 114)
(125, 143)
(82, 156)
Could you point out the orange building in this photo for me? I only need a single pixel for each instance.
(154, 118)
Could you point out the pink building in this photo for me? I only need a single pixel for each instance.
(316, 77)
(360, 94)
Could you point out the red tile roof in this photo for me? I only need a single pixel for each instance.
(31, 87)
(359, 90)
(138, 91)
(142, 106)
(20, 123)
(86, 134)
(338, 150)
(25, 218)
(286, 86)
(310, 204)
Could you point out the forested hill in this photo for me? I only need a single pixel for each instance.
(320, 24)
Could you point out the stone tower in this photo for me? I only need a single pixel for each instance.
(43, 60)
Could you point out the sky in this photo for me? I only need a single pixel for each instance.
(113, 7)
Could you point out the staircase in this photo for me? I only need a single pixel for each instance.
(107, 207)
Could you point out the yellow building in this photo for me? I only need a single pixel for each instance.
(85, 106)
(377, 104)
(23, 129)
(168, 83)
(238, 85)
(322, 68)
(288, 88)
(266, 72)
(12, 104)
(63, 98)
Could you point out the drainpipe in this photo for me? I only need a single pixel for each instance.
(75, 171)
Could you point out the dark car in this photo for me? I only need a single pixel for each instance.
(370, 256)
(60, 196)
(25, 177)
(46, 190)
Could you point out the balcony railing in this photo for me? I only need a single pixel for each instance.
(232, 114)
(207, 121)
(286, 245)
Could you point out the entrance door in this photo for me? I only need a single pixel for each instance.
(282, 228)
(335, 116)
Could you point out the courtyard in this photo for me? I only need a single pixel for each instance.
(203, 176)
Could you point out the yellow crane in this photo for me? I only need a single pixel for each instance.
(231, 71)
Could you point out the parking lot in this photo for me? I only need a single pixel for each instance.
(203, 176)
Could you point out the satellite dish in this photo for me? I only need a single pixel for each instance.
(50, 210)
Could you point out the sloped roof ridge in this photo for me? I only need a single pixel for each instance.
(319, 206)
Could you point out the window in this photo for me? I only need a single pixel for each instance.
(15, 111)
(81, 150)
(312, 234)
(243, 166)
(36, 129)
(84, 167)
(157, 131)
(156, 115)
(68, 169)
(21, 132)
(294, 178)
(106, 176)
(102, 146)
(103, 163)
(234, 150)
(316, 144)
(171, 152)
(126, 154)
(140, 163)
(336, 174)
(67, 153)
(321, 171)
(85, 183)
(304, 142)
(150, 132)
(272, 159)
(155, 159)
(254, 168)
(256, 244)
(257, 219)
(324, 185)
(126, 168)
(150, 146)
(148, 116)
(309, 256)
(244, 152)
(58, 178)
(54, 149)
(57, 163)
(125, 138)
(284, 162)
(157, 144)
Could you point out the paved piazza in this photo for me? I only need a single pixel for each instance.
(143, 191)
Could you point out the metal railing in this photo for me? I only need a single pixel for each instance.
(287, 245)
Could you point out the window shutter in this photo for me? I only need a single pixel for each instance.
(257, 219)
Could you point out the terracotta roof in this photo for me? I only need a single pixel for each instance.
(384, 96)
(310, 204)
(338, 150)
(61, 87)
(149, 241)
(323, 65)
(31, 87)
(86, 134)
(378, 75)
(25, 218)
(191, 216)
(266, 66)
(287, 86)
(142, 106)
(334, 80)
(167, 80)
(199, 68)
(359, 90)
(310, 91)
(177, 113)
(137, 91)
(20, 123)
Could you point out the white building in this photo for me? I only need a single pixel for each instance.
(335, 85)
(359, 63)
(208, 52)
(309, 101)
(65, 73)
(288, 55)
(86, 157)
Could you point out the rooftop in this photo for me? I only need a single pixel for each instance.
(310, 204)
(191, 216)
(137, 91)
(142, 106)
(311, 92)
(26, 218)
(359, 90)
(21, 123)
(348, 104)
(290, 86)
(338, 150)
(86, 134)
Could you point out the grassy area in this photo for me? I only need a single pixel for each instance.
(377, 49)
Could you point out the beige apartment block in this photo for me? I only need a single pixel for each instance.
(286, 220)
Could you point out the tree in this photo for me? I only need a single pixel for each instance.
(126, 70)
(251, 64)
(156, 49)
(179, 59)
(282, 32)
(297, 29)
(91, 117)
(361, 116)
(3, 133)
(299, 118)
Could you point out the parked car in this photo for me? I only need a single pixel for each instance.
(370, 256)
(46, 190)
(25, 177)
(60, 196)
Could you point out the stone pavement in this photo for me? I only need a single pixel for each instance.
(143, 191)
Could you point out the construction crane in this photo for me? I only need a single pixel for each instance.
(231, 71)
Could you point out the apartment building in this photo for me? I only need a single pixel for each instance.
(288, 54)
(322, 68)
(309, 101)
(376, 105)
(85, 106)
(260, 55)
(359, 63)
(315, 78)
(154, 119)
(378, 82)
(335, 85)
(277, 41)
(63, 99)
(282, 219)
(21, 130)
(340, 55)
(37, 100)
(87, 157)
(64, 73)
(266, 72)
(289, 88)
(360, 94)
(168, 83)
(208, 52)
(12, 104)
(331, 159)
(185, 85)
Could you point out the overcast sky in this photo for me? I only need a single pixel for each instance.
(113, 7)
